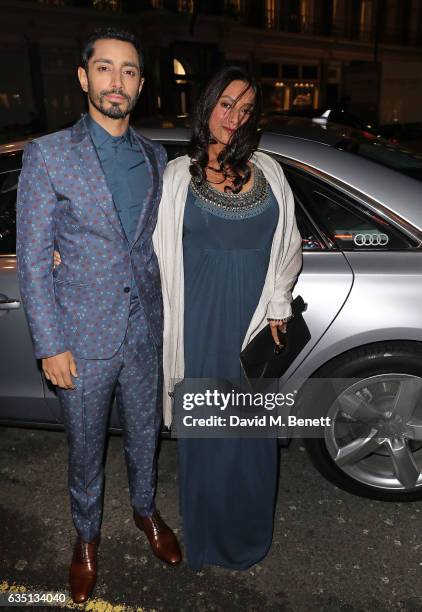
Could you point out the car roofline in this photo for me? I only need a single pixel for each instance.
(14, 147)
(321, 156)
(294, 137)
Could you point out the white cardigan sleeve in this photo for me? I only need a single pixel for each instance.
(289, 262)
(167, 241)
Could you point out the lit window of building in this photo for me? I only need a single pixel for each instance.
(306, 15)
(182, 86)
(106, 5)
(303, 10)
(288, 86)
(335, 11)
(52, 2)
(365, 19)
(271, 14)
(185, 6)
(4, 101)
(179, 71)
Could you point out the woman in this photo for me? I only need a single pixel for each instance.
(229, 252)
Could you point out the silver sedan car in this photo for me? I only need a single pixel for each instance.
(359, 211)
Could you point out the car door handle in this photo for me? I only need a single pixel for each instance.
(11, 304)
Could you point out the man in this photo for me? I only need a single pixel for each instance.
(92, 192)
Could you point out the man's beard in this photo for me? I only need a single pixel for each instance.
(114, 111)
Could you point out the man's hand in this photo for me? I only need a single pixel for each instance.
(60, 369)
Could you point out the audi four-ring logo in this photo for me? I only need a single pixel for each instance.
(370, 239)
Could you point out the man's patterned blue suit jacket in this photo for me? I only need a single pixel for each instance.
(64, 203)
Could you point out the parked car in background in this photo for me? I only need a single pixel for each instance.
(358, 208)
(339, 116)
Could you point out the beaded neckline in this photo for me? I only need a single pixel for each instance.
(234, 205)
(234, 201)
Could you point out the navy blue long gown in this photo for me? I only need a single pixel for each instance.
(227, 486)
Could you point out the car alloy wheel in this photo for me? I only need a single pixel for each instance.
(373, 446)
(376, 432)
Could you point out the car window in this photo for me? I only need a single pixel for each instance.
(8, 189)
(311, 241)
(348, 224)
(175, 149)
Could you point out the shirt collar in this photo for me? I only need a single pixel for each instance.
(101, 137)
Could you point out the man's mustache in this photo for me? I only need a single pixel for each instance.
(112, 92)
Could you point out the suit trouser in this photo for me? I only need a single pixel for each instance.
(135, 374)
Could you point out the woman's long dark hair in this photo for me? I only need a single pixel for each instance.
(238, 151)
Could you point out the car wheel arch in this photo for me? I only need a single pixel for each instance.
(389, 346)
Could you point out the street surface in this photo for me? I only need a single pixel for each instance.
(332, 551)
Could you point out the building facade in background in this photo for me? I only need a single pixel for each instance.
(308, 54)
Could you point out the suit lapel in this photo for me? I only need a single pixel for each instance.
(152, 166)
(93, 173)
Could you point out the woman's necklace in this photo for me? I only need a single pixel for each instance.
(244, 203)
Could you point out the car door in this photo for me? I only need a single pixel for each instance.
(326, 277)
(384, 256)
(21, 385)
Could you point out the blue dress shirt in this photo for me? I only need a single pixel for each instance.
(126, 174)
(125, 171)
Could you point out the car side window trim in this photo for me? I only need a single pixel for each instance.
(10, 171)
(319, 232)
(373, 205)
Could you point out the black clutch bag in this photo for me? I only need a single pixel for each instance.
(262, 359)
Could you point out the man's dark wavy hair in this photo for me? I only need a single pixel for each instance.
(110, 34)
(244, 141)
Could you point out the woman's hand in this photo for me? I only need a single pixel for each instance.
(277, 325)
(57, 260)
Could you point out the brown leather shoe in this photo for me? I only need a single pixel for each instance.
(161, 538)
(83, 570)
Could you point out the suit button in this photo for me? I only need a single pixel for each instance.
(126, 289)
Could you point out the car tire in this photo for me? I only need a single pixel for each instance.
(384, 359)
